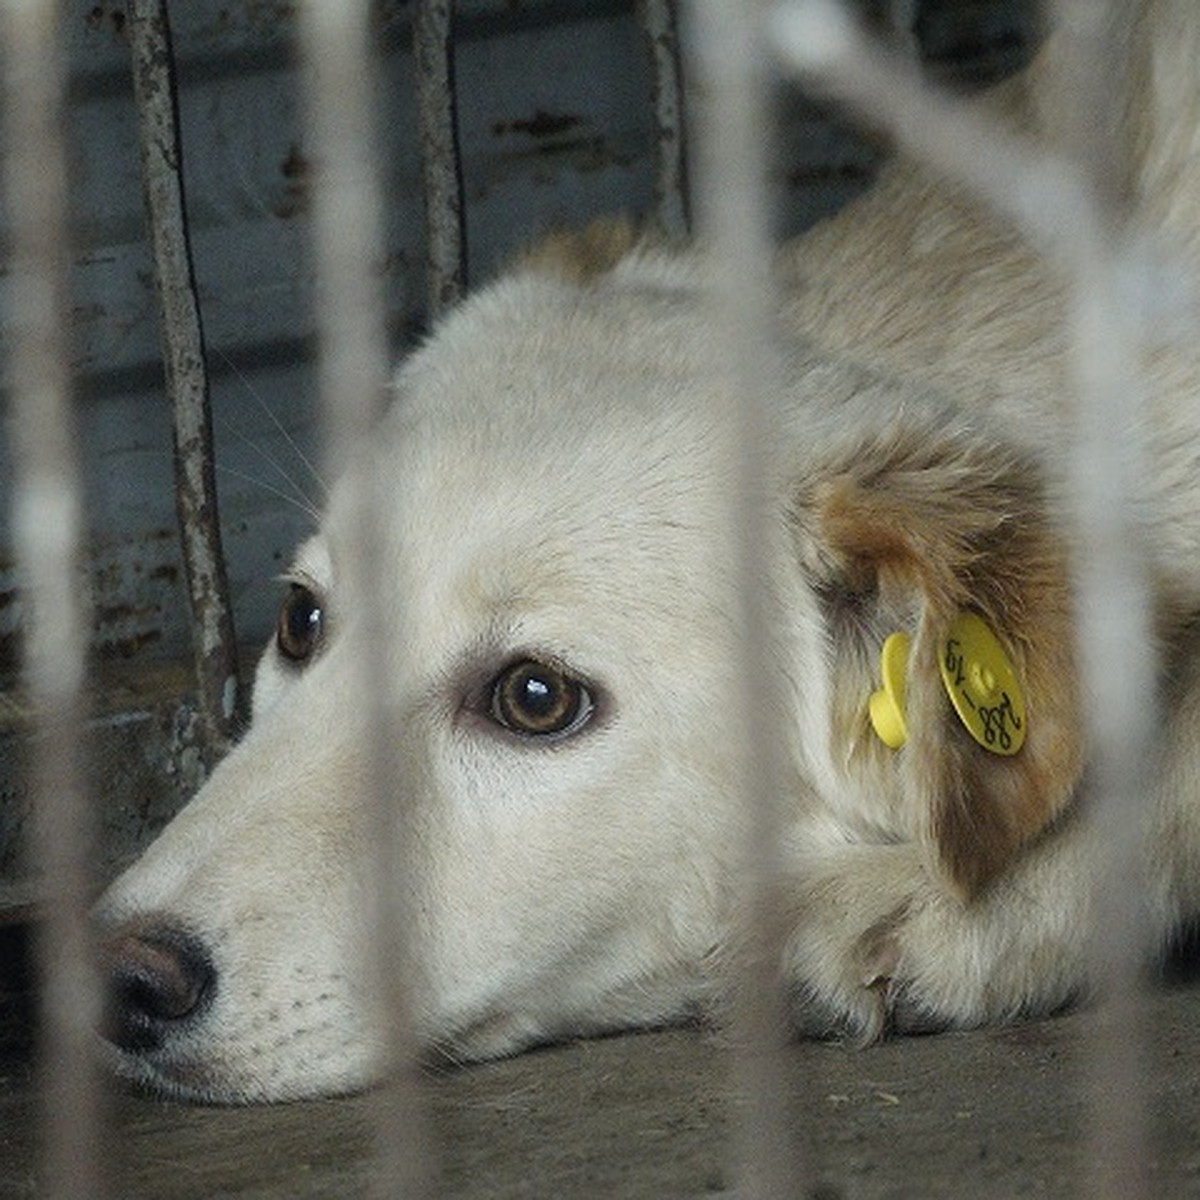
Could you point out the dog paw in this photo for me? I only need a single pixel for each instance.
(860, 992)
(856, 1010)
(844, 958)
(878, 946)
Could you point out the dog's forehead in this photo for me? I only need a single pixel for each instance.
(520, 354)
(534, 451)
(543, 397)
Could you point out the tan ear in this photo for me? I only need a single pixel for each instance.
(578, 256)
(925, 526)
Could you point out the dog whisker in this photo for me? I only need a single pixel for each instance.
(303, 505)
(291, 441)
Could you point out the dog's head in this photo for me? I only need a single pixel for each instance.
(555, 547)
(555, 566)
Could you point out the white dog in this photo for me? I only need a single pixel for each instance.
(556, 481)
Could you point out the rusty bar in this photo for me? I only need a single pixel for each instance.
(48, 524)
(660, 27)
(353, 379)
(732, 64)
(214, 644)
(441, 164)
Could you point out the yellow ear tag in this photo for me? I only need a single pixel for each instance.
(982, 685)
(886, 707)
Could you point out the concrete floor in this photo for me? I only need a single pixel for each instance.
(999, 1113)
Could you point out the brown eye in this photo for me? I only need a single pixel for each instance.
(539, 700)
(300, 624)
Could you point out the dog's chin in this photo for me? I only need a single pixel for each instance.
(165, 1080)
(676, 998)
(195, 1079)
(501, 1036)
(198, 1079)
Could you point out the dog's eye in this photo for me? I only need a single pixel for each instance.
(539, 700)
(301, 624)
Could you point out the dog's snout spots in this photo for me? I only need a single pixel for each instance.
(158, 977)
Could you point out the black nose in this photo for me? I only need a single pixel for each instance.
(158, 977)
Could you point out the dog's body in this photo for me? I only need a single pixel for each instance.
(554, 480)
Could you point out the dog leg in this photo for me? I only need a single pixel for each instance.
(879, 945)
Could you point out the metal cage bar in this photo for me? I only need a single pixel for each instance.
(1118, 662)
(659, 20)
(214, 644)
(48, 523)
(734, 68)
(353, 372)
(441, 169)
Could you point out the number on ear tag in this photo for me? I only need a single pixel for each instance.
(982, 685)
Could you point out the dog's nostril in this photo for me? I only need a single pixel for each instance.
(157, 977)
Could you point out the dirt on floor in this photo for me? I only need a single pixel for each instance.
(997, 1113)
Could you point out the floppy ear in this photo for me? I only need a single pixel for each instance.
(923, 529)
(579, 256)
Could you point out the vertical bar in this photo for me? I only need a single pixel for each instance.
(1117, 662)
(48, 530)
(213, 641)
(660, 27)
(1115, 638)
(732, 62)
(441, 165)
(1082, 103)
(352, 377)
